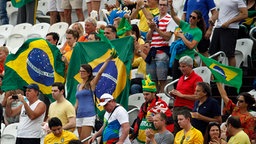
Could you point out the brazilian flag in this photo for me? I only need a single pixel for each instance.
(36, 61)
(20, 3)
(228, 75)
(115, 79)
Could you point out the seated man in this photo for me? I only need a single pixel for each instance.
(152, 105)
(58, 135)
(163, 136)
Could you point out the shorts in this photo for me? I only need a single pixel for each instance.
(224, 40)
(91, 0)
(158, 68)
(72, 4)
(203, 45)
(86, 121)
(54, 5)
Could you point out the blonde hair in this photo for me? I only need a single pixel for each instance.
(80, 29)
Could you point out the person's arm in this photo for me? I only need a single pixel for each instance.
(135, 12)
(173, 14)
(185, 96)
(141, 5)
(97, 134)
(189, 44)
(125, 132)
(243, 13)
(97, 77)
(183, 17)
(165, 35)
(71, 123)
(33, 114)
(150, 137)
(8, 109)
(222, 92)
(211, 23)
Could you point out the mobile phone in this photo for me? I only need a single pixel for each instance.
(14, 97)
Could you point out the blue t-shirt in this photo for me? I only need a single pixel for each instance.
(210, 108)
(86, 106)
(205, 6)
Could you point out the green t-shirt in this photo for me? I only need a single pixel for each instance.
(197, 36)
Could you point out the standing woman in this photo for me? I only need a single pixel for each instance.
(195, 27)
(241, 109)
(213, 134)
(85, 106)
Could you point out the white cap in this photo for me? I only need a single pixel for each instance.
(105, 98)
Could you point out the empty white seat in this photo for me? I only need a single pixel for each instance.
(245, 45)
(60, 28)
(39, 30)
(9, 134)
(136, 99)
(105, 13)
(22, 29)
(42, 7)
(5, 31)
(12, 13)
(135, 21)
(101, 23)
(204, 72)
(14, 42)
(239, 58)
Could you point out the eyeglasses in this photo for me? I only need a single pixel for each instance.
(82, 70)
(240, 101)
(103, 100)
(193, 17)
(163, 5)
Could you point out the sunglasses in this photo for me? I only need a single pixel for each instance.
(193, 17)
(82, 71)
(103, 100)
(240, 101)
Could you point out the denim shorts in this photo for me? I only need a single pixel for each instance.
(158, 68)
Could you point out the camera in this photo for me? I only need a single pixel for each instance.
(14, 97)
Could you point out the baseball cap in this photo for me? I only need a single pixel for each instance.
(105, 98)
(32, 86)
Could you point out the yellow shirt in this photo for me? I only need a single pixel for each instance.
(143, 25)
(193, 136)
(141, 64)
(63, 139)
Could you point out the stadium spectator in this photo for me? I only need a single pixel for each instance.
(93, 37)
(163, 136)
(55, 10)
(206, 109)
(160, 32)
(110, 32)
(27, 13)
(241, 109)
(145, 11)
(85, 106)
(31, 115)
(90, 27)
(53, 38)
(68, 5)
(188, 134)
(236, 131)
(213, 134)
(3, 13)
(190, 34)
(225, 33)
(93, 5)
(205, 6)
(153, 104)
(62, 108)
(58, 135)
(3, 54)
(185, 91)
(116, 127)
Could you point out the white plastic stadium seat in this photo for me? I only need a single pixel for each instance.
(39, 30)
(60, 28)
(14, 42)
(239, 58)
(245, 45)
(105, 13)
(136, 99)
(204, 72)
(22, 29)
(42, 7)
(133, 113)
(12, 13)
(9, 134)
(5, 31)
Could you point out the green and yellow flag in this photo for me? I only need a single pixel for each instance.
(115, 79)
(36, 61)
(20, 3)
(228, 75)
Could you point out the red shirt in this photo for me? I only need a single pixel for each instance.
(188, 87)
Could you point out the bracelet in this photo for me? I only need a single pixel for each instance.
(142, 7)
(139, 51)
